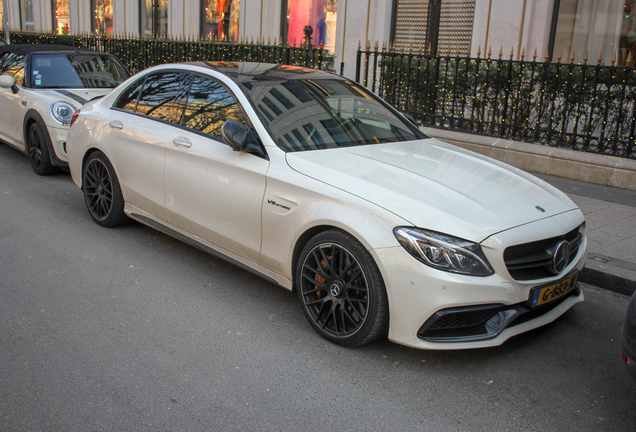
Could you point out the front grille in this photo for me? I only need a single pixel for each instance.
(530, 261)
(472, 323)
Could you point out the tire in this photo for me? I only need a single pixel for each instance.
(38, 151)
(102, 193)
(341, 290)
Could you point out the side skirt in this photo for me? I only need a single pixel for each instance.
(200, 246)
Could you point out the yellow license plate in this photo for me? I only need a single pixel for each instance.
(547, 294)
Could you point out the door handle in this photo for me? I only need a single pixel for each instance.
(182, 143)
(116, 124)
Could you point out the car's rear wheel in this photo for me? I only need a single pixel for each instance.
(38, 151)
(102, 192)
(341, 290)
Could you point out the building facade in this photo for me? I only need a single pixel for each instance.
(570, 30)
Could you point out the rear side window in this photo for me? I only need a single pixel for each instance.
(13, 64)
(161, 96)
(128, 99)
(209, 106)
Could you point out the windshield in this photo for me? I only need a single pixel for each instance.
(84, 70)
(312, 114)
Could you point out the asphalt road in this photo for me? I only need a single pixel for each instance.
(127, 329)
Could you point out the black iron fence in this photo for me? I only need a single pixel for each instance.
(138, 54)
(582, 107)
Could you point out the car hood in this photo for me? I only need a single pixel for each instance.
(437, 186)
(76, 97)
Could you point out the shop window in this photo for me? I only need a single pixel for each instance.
(26, 15)
(627, 40)
(154, 18)
(221, 20)
(320, 15)
(60, 11)
(587, 27)
(102, 17)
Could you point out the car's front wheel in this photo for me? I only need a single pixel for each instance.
(102, 192)
(38, 151)
(341, 290)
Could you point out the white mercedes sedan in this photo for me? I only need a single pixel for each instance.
(313, 183)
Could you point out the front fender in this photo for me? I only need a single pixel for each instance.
(296, 207)
(33, 116)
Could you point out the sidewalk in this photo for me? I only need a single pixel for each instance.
(610, 215)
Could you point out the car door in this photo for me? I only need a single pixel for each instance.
(137, 128)
(11, 107)
(211, 191)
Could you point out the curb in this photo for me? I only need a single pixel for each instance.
(608, 274)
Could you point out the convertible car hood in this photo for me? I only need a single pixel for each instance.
(76, 97)
(437, 186)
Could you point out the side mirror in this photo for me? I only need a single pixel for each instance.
(409, 117)
(241, 138)
(7, 81)
(234, 134)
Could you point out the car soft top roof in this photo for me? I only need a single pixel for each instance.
(29, 48)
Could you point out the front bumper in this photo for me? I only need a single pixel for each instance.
(58, 136)
(419, 295)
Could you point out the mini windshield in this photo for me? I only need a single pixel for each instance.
(312, 114)
(76, 71)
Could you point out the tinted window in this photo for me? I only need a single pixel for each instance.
(163, 96)
(76, 71)
(128, 99)
(311, 114)
(13, 64)
(209, 105)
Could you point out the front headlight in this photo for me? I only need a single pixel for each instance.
(444, 252)
(62, 112)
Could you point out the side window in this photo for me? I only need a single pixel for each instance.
(163, 96)
(128, 99)
(13, 64)
(209, 105)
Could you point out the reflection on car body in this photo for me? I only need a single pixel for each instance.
(315, 184)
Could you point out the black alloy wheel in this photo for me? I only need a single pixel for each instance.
(38, 151)
(102, 193)
(341, 290)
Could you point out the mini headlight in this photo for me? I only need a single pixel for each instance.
(62, 112)
(444, 252)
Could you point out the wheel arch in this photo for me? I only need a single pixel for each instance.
(87, 154)
(305, 237)
(33, 116)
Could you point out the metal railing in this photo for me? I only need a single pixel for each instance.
(584, 107)
(138, 54)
